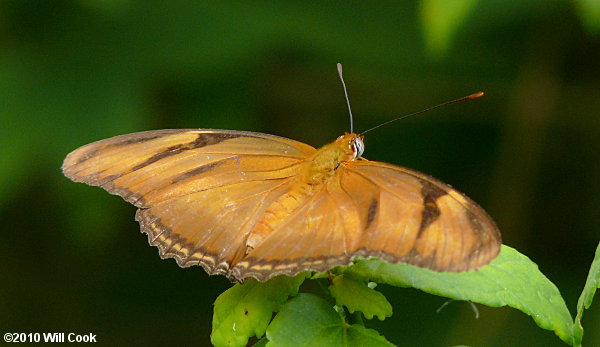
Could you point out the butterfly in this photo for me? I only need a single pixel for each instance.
(252, 205)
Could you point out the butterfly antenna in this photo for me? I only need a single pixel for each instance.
(339, 67)
(468, 97)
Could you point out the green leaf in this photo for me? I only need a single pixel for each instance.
(261, 343)
(441, 20)
(511, 279)
(309, 320)
(587, 295)
(245, 310)
(357, 296)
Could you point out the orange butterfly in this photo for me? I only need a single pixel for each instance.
(246, 204)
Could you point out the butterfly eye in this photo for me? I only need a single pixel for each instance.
(358, 147)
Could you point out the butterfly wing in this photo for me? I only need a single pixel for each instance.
(416, 219)
(199, 192)
(316, 236)
(374, 209)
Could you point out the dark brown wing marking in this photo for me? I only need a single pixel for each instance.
(372, 212)
(199, 170)
(431, 212)
(420, 220)
(203, 140)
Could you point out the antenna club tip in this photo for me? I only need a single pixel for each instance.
(339, 67)
(475, 95)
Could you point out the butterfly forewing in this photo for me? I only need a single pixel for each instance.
(422, 221)
(150, 166)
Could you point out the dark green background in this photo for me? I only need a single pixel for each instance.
(72, 72)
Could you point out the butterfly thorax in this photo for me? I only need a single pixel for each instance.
(314, 173)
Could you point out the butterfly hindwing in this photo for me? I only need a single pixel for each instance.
(314, 237)
(209, 227)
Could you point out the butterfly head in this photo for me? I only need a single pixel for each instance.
(352, 145)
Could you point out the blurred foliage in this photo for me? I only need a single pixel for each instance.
(441, 20)
(72, 72)
(589, 11)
